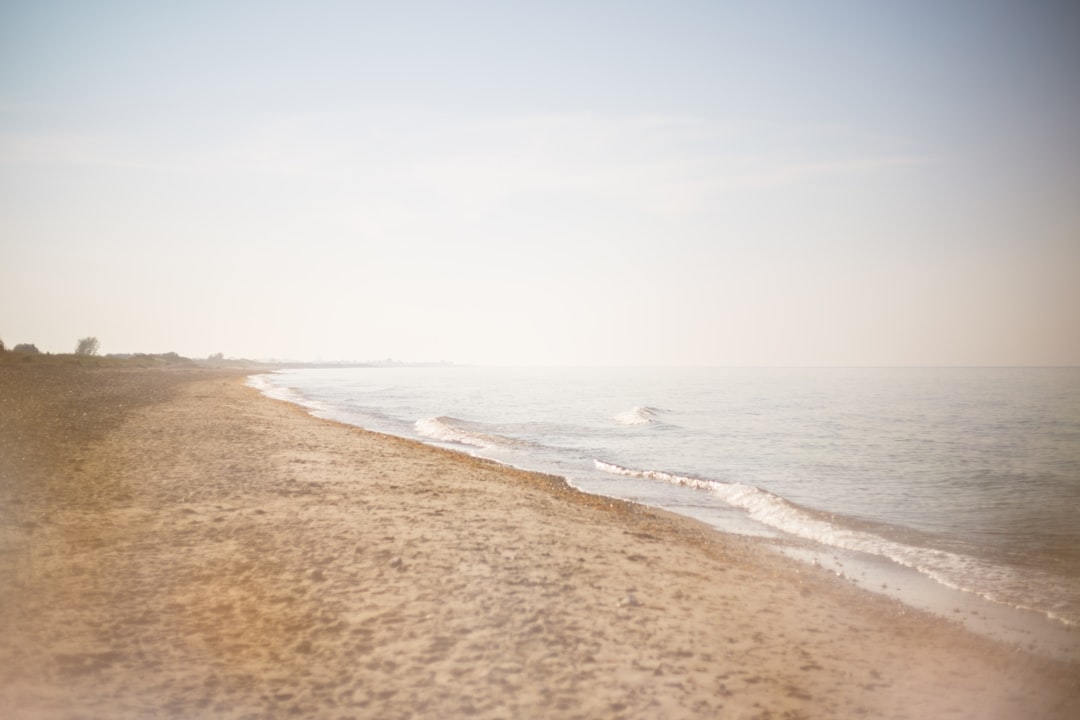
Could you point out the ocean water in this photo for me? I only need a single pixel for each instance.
(957, 479)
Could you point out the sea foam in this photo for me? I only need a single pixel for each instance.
(454, 430)
(993, 582)
(639, 415)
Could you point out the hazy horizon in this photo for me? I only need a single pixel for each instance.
(839, 184)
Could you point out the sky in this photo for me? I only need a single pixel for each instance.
(544, 183)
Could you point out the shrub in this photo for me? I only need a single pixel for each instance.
(28, 348)
(87, 346)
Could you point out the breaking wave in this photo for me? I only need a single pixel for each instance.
(639, 415)
(962, 572)
(454, 430)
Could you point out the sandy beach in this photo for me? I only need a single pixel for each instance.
(174, 545)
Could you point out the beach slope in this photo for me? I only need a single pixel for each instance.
(172, 544)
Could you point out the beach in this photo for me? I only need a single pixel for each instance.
(174, 544)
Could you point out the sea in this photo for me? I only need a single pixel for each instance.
(954, 490)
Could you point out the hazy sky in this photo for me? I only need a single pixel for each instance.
(628, 183)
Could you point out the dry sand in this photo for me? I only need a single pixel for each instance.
(174, 545)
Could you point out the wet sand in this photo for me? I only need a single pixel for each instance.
(172, 544)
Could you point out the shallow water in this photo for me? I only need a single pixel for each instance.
(969, 478)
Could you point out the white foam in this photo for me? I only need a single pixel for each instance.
(263, 382)
(463, 432)
(442, 429)
(639, 415)
(994, 582)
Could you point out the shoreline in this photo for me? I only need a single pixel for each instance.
(1020, 627)
(204, 551)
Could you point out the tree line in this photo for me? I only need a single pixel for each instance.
(89, 345)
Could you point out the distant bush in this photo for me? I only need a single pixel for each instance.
(28, 348)
(169, 358)
(2, 348)
(87, 346)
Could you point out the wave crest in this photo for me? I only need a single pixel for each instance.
(997, 583)
(639, 415)
(454, 430)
